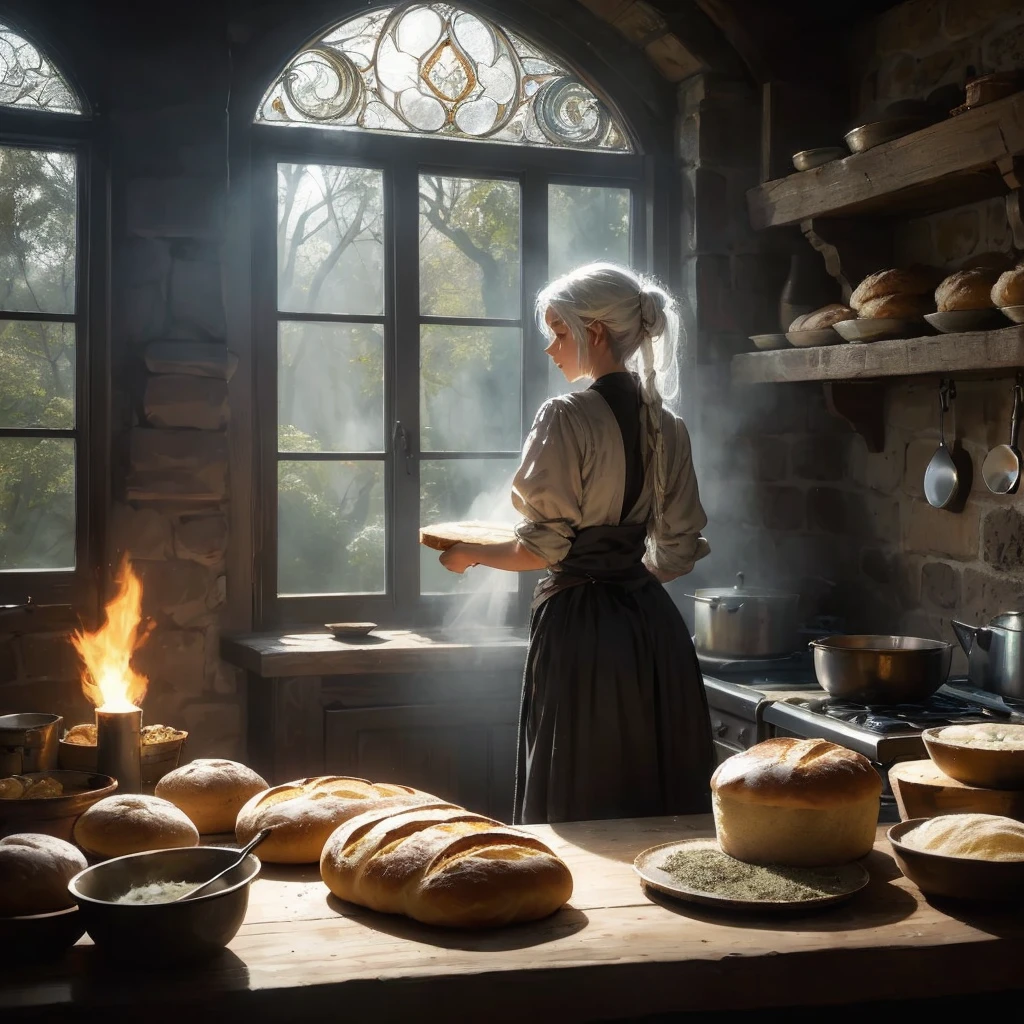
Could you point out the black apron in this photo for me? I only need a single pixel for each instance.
(614, 721)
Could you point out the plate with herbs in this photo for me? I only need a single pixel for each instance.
(696, 870)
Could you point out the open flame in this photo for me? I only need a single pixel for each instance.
(109, 681)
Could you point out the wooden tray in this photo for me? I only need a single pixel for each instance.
(646, 865)
(922, 791)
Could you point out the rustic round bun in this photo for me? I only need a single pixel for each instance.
(915, 281)
(130, 823)
(976, 836)
(1009, 288)
(966, 289)
(897, 307)
(211, 792)
(34, 874)
(442, 536)
(825, 317)
(803, 803)
(303, 814)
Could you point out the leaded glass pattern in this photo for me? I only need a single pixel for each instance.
(29, 80)
(433, 69)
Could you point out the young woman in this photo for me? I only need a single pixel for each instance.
(614, 720)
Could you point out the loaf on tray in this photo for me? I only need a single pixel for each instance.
(1009, 288)
(302, 814)
(897, 307)
(966, 289)
(442, 536)
(443, 865)
(914, 281)
(823, 318)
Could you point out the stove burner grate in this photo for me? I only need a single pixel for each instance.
(940, 709)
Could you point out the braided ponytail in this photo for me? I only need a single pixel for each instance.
(642, 327)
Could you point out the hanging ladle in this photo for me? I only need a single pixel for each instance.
(941, 479)
(242, 854)
(1002, 464)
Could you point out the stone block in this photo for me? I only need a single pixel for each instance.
(964, 18)
(673, 60)
(175, 589)
(639, 23)
(181, 400)
(933, 531)
(207, 485)
(175, 207)
(909, 27)
(1002, 540)
(141, 533)
(49, 656)
(1003, 49)
(140, 312)
(173, 660)
(62, 697)
(214, 729)
(986, 595)
(196, 359)
(155, 450)
(820, 457)
(770, 457)
(202, 539)
(196, 300)
(941, 585)
(957, 233)
(829, 510)
(875, 516)
(782, 508)
(707, 215)
(877, 471)
(913, 408)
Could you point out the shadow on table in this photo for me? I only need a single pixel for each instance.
(564, 922)
(1001, 920)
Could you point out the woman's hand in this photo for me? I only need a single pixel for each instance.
(458, 558)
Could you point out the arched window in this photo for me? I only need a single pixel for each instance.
(44, 308)
(421, 172)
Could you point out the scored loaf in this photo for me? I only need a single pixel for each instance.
(914, 281)
(966, 289)
(897, 307)
(302, 814)
(443, 865)
(1009, 288)
(211, 791)
(442, 536)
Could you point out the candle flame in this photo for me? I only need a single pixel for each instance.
(109, 681)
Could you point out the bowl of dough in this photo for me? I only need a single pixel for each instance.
(976, 857)
(985, 754)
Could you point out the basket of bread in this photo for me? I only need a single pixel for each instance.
(161, 750)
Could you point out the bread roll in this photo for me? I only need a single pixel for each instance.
(1009, 288)
(802, 803)
(443, 865)
(966, 289)
(915, 281)
(825, 317)
(798, 323)
(442, 536)
(976, 836)
(34, 874)
(897, 307)
(130, 823)
(211, 792)
(302, 814)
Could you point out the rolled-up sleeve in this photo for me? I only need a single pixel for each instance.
(675, 541)
(547, 490)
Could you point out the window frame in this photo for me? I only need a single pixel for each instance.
(81, 586)
(402, 159)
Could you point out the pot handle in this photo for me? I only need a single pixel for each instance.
(715, 602)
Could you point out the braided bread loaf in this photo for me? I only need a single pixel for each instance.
(302, 814)
(443, 865)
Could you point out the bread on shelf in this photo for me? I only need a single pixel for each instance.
(1009, 288)
(823, 318)
(918, 280)
(443, 865)
(802, 803)
(211, 791)
(131, 823)
(966, 289)
(897, 307)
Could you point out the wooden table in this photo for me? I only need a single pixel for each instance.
(614, 953)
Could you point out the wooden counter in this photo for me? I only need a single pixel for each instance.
(613, 953)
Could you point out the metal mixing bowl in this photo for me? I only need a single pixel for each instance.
(161, 932)
(873, 669)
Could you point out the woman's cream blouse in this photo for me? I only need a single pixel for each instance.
(573, 473)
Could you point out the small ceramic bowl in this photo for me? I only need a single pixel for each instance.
(807, 159)
(768, 342)
(867, 136)
(1014, 313)
(962, 878)
(986, 767)
(877, 330)
(955, 321)
(808, 339)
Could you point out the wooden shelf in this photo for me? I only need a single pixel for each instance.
(947, 355)
(957, 161)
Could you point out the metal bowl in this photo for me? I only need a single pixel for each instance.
(867, 136)
(956, 877)
(873, 669)
(1014, 313)
(807, 159)
(986, 767)
(55, 815)
(880, 329)
(808, 339)
(769, 342)
(41, 936)
(159, 932)
(954, 321)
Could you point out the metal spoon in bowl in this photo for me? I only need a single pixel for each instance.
(941, 481)
(242, 854)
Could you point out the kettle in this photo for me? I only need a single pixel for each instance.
(995, 654)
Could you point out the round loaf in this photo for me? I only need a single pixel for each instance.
(802, 803)
(211, 792)
(966, 289)
(1009, 288)
(131, 823)
(443, 536)
(825, 317)
(897, 307)
(444, 865)
(915, 281)
(303, 814)
(976, 836)
(34, 874)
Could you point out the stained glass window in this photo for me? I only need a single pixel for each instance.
(433, 69)
(29, 80)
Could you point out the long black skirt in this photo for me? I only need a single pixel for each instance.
(614, 720)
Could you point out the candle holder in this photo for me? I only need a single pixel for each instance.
(119, 747)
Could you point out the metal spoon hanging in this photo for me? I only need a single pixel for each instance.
(1002, 464)
(941, 479)
(242, 854)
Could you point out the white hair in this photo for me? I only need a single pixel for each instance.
(642, 326)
